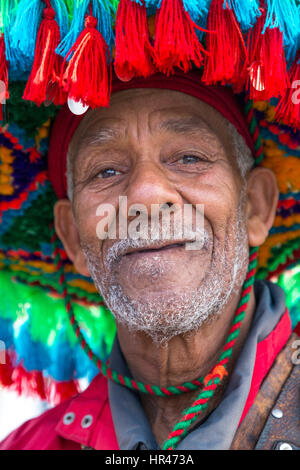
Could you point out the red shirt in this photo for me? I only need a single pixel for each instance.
(86, 418)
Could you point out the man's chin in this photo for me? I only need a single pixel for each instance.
(161, 316)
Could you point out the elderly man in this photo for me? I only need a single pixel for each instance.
(166, 146)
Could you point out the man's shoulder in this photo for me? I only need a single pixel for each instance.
(37, 433)
(40, 433)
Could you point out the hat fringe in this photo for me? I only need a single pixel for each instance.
(268, 76)
(288, 109)
(248, 45)
(87, 77)
(134, 52)
(227, 59)
(47, 64)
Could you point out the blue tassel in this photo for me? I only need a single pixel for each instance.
(196, 8)
(6, 333)
(34, 354)
(246, 12)
(19, 65)
(103, 16)
(24, 30)
(25, 27)
(62, 359)
(284, 14)
(61, 16)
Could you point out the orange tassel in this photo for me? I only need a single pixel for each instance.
(176, 43)
(219, 371)
(134, 52)
(87, 77)
(43, 83)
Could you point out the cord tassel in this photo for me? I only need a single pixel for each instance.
(176, 43)
(288, 109)
(268, 75)
(43, 80)
(87, 77)
(227, 59)
(134, 52)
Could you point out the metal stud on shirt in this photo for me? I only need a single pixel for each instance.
(86, 421)
(69, 418)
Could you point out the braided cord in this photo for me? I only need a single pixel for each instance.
(254, 131)
(215, 377)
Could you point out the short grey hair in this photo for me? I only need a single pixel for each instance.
(242, 152)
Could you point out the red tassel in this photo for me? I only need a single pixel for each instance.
(227, 59)
(3, 75)
(268, 75)
(29, 383)
(43, 84)
(176, 43)
(134, 51)
(57, 392)
(6, 371)
(288, 109)
(87, 77)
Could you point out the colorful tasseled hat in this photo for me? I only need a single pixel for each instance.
(58, 51)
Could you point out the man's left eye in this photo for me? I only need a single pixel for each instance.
(186, 159)
(107, 173)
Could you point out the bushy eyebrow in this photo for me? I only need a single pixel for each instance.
(179, 125)
(183, 125)
(103, 136)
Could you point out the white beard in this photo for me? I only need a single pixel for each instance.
(189, 308)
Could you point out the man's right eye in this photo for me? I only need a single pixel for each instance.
(107, 173)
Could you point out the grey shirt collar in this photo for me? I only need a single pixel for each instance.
(216, 433)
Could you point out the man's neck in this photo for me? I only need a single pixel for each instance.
(182, 359)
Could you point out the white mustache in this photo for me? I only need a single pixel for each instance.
(122, 247)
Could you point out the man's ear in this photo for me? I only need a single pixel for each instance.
(262, 199)
(67, 231)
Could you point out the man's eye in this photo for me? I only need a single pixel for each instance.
(186, 159)
(107, 173)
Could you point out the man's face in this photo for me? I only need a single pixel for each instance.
(160, 147)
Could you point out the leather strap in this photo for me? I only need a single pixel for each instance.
(280, 389)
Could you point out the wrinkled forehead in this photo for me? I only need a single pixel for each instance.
(152, 111)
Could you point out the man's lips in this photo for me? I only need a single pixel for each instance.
(154, 248)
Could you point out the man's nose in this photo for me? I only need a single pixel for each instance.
(151, 184)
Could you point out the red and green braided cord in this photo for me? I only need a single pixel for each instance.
(210, 382)
(214, 380)
(254, 131)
